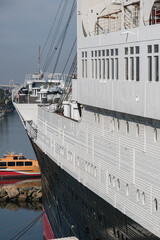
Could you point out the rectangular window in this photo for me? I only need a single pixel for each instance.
(116, 51)
(28, 163)
(92, 68)
(2, 164)
(82, 54)
(19, 163)
(96, 68)
(86, 54)
(112, 52)
(11, 164)
(150, 49)
(82, 68)
(137, 49)
(92, 54)
(15, 158)
(22, 157)
(117, 68)
(99, 53)
(126, 51)
(132, 68)
(112, 64)
(156, 48)
(126, 68)
(99, 68)
(86, 68)
(103, 53)
(156, 59)
(95, 53)
(131, 50)
(103, 67)
(137, 69)
(107, 52)
(149, 68)
(107, 68)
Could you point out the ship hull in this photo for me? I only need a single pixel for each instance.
(11, 174)
(74, 210)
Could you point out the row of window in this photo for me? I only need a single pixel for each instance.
(115, 183)
(9, 164)
(107, 68)
(16, 157)
(105, 63)
(115, 124)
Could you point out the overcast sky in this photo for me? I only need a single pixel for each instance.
(24, 25)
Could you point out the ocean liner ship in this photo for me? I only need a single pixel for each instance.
(100, 156)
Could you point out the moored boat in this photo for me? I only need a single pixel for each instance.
(18, 166)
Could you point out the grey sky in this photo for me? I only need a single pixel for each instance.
(24, 25)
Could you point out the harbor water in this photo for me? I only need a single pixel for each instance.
(14, 217)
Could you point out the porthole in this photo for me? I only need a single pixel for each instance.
(155, 205)
(137, 130)
(127, 190)
(143, 198)
(155, 135)
(138, 195)
(127, 127)
(118, 184)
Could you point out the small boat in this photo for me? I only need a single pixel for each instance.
(18, 166)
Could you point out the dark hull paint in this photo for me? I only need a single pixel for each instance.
(74, 210)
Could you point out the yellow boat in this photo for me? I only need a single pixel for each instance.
(18, 166)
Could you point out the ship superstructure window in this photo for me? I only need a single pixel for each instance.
(22, 157)
(138, 195)
(28, 163)
(84, 65)
(127, 127)
(153, 62)
(2, 164)
(155, 205)
(19, 163)
(137, 130)
(103, 68)
(11, 164)
(99, 64)
(143, 198)
(105, 64)
(132, 63)
(127, 190)
(155, 135)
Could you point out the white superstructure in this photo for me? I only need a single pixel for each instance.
(113, 147)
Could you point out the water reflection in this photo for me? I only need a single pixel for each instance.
(16, 215)
(14, 206)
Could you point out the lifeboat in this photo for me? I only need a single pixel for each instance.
(18, 166)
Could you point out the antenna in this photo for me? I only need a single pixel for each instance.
(39, 57)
